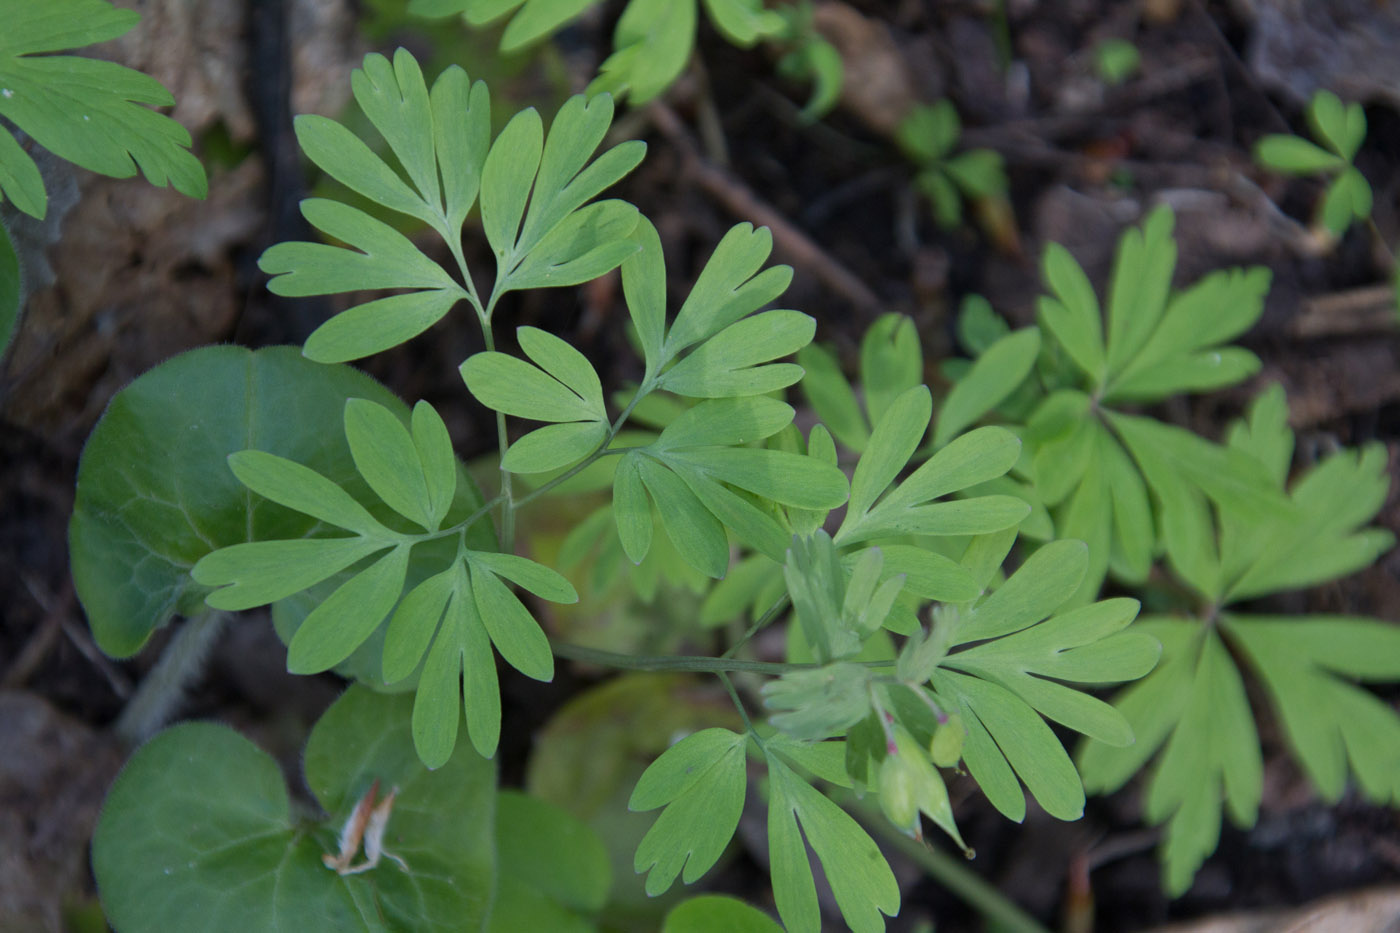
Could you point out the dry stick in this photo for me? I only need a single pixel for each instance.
(739, 200)
(1369, 310)
(41, 641)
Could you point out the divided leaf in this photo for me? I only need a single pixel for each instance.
(860, 878)
(701, 782)
(92, 113)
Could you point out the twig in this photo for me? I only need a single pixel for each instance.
(1369, 310)
(739, 200)
(41, 641)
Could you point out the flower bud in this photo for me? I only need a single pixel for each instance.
(946, 747)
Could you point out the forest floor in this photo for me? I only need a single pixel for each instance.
(138, 274)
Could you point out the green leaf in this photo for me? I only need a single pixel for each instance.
(414, 624)
(695, 532)
(859, 876)
(1037, 588)
(594, 237)
(743, 22)
(387, 458)
(701, 782)
(632, 509)
(155, 493)
(1348, 198)
(339, 625)
(654, 40)
(730, 287)
(1083, 645)
(514, 631)
(831, 396)
(892, 443)
(1307, 664)
(1142, 277)
(930, 131)
(891, 362)
(999, 369)
(514, 387)
(973, 458)
(225, 824)
(552, 867)
(726, 422)
(726, 364)
(506, 178)
(1341, 127)
(978, 173)
(434, 447)
(555, 446)
(1294, 155)
(819, 703)
(1002, 729)
(263, 572)
(785, 478)
(644, 287)
(717, 913)
(1072, 315)
(299, 487)
(87, 111)
(543, 581)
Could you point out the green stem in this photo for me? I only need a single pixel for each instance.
(689, 663)
(739, 705)
(763, 621)
(948, 871)
(181, 663)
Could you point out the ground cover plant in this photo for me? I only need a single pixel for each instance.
(800, 606)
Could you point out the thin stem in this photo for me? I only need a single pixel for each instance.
(948, 871)
(739, 705)
(161, 692)
(503, 444)
(568, 474)
(763, 621)
(690, 663)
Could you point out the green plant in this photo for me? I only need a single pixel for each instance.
(654, 38)
(86, 111)
(306, 486)
(928, 136)
(1223, 521)
(1341, 129)
(1193, 707)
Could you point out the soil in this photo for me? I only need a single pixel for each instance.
(133, 275)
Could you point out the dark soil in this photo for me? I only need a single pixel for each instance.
(141, 274)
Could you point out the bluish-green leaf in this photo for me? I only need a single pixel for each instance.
(514, 631)
(337, 627)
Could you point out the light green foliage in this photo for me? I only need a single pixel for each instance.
(1193, 708)
(87, 111)
(533, 194)
(652, 44)
(701, 782)
(1340, 130)
(859, 876)
(443, 623)
(1091, 464)
(224, 850)
(928, 136)
(810, 58)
